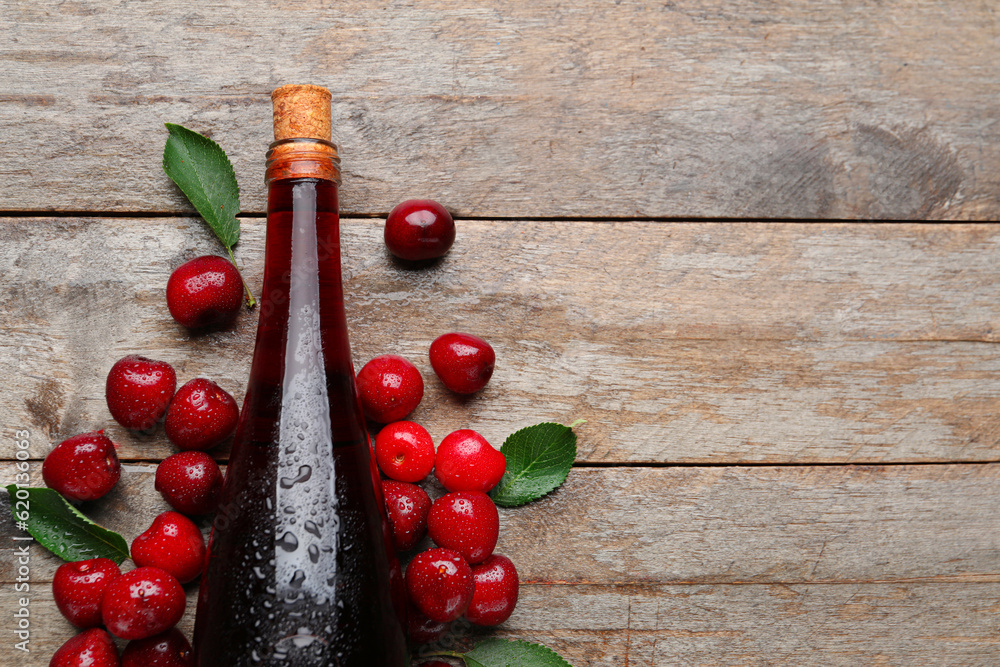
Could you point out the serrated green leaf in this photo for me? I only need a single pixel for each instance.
(512, 653)
(538, 460)
(62, 529)
(203, 172)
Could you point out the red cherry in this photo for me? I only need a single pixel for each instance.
(143, 603)
(463, 362)
(466, 461)
(174, 544)
(419, 229)
(390, 388)
(439, 583)
(201, 416)
(170, 649)
(495, 595)
(405, 451)
(407, 506)
(206, 291)
(190, 482)
(78, 589)
(84, 467)
(91, 648)
(466, 522)
(138, 391)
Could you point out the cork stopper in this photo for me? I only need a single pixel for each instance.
(301, 111)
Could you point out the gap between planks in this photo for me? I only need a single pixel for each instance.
(657, 464)
(498, 218)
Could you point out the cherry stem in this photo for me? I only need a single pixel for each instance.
(578, 422)
(251, 302)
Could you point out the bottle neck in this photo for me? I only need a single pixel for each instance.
(303, 233)
(302, 158)
(301, 301)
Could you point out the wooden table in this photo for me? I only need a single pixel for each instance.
(673, 223)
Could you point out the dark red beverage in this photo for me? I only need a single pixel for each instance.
(300, 571)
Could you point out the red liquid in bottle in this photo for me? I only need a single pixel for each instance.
(300, 572)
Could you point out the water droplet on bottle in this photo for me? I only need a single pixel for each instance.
(314, 553)
(297, 579)
(311, 527)
(305, 472)
(288, 542)
(304, 638)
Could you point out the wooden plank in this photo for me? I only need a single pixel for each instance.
(662, 626)
(700, 343)
(846, 624)
(727, 108)
(780, 525)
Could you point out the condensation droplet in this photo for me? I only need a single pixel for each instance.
(288, 542)
(305, 472)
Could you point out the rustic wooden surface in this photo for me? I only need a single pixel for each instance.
(665, 565)
(707, 625)
(792, 453)
(703, 343)
(694, 108)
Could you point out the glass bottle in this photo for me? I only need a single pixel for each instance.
(301, 570)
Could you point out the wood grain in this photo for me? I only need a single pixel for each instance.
(692, 108)
(663, 626)
(774, 525)
(826, 565)
(721, 343)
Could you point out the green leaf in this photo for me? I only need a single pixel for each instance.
(512, 653)
(62, 529)
(203, 172)
(538, 459)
